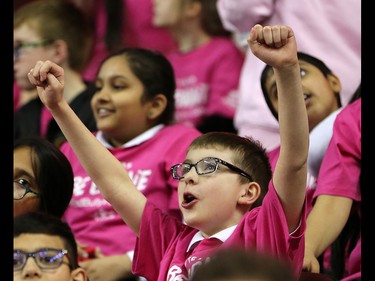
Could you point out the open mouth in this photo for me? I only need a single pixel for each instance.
(189, 200)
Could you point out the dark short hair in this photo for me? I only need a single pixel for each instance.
(248, 154)
(155, 72)
(238, 263)
(53, 174)
(43, 223)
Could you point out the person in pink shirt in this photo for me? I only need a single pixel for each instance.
(133, 107)
(337, 207)
(226, 190)
(119, 24)
(329, 30)
(207, 63)
(321, 88)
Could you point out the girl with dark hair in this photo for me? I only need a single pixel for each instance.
(42, 176)
(134, 108)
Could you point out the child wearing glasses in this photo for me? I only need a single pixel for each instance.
(133, 106)
(56, 31)
(49, 242)
(42, 177)
(229, 198)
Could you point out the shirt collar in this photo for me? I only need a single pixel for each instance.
(136, 141)
(222, 235)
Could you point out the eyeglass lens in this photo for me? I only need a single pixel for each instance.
(204, 166)
(20, 188)
(44, 258)
(17, 50)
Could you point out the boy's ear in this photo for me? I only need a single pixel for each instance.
(157, 106)
(79, 274)
(251, 193)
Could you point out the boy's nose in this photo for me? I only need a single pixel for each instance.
(31, 268)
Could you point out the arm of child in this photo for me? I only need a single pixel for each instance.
(277, 47)
(105, 170)
(324, 224)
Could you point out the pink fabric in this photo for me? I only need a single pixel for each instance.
(207, 80)
(341, 166)
(16, 96)
(201, 252)
(355, 277)
(138, 31)
(160, 252)
(340, 170)
(94, 221)
(332, 39)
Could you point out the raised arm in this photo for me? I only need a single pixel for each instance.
(277, 47)
(104, 169)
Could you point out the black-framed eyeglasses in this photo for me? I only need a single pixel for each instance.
(46, 258)
(20, 188)
(17, 50)
(204, 166)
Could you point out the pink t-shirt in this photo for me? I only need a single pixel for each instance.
(16, 96)
(161, 251)
(341, 166)
(138, 31)
(335, 41)
(207, 80)
(148, 161)
(339, 174)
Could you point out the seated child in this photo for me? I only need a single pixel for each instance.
(257, 210)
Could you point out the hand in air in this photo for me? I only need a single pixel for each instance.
(274, 45)
(48, 78)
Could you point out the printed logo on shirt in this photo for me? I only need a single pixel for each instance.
(85, 191)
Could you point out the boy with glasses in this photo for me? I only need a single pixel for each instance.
(56, 31)
(45, 248)
(218, 201)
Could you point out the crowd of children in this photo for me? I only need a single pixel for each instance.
(130, 136)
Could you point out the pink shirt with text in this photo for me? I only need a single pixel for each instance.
(161, 249)
(206, 80)
(93, 220)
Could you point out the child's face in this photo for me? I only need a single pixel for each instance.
(117, 105)
(23, 170)
(168, 13)
(209, 202)
(32, 242)
(320, 92)
(26, 54)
